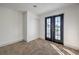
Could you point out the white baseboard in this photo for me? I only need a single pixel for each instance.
(31, 40)
(42, 38)
(11, 42)
(71, 46)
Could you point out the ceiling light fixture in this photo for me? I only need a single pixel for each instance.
(34, 5)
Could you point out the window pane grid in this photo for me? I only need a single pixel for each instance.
(48, 27)
(57, 28)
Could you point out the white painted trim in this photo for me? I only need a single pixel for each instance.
(32, 40)
(42, 38)
(9, 43)
(71, 46)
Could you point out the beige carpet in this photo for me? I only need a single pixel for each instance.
(35, 47)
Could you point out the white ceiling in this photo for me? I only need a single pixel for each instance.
(41, 7)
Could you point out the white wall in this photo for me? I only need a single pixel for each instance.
(16, 26)
(25, 26)
(10, 26)
(31, 26)
(71, 25)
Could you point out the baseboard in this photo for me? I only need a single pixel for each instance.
(9, 43)
(71, 46)
(42, 38)
(32, 40)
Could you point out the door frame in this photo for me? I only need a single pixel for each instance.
(53, 34)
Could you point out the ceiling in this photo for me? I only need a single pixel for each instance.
(41, 7)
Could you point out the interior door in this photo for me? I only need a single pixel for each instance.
(57, 28)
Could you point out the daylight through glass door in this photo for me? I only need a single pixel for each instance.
(57, 28)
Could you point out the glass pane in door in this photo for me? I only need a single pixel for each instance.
(57, 28)
(48, 28)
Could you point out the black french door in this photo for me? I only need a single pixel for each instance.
(54, 28)
(48, 28)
